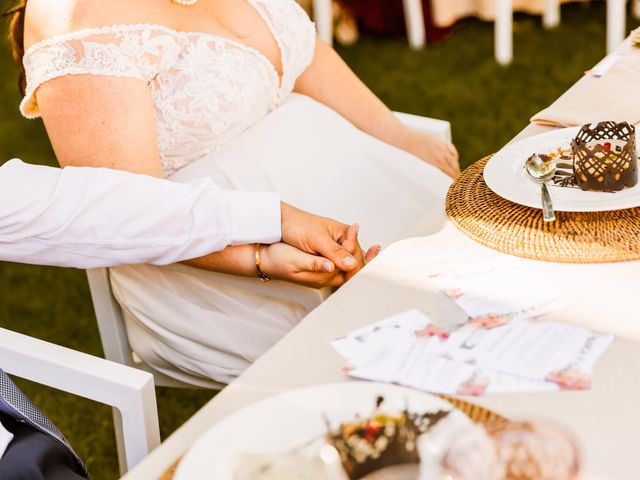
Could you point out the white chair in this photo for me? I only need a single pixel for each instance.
(504, 26)
(616, 24)
(617, 21)
(323, 16)
(130, 392)
(113, 333)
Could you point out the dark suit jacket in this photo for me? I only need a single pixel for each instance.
(38, 451)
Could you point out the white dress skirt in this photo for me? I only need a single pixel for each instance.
(205, 328)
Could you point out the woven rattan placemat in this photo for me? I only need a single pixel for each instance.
(517, 230)
(476, 413)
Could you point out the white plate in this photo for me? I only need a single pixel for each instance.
(504, 174)
(284, 422)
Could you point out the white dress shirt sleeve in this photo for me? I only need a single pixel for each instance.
(94, 217)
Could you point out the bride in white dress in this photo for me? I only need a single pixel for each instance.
(242, 92)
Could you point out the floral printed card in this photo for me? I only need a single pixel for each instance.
(522, 356)
(536, 350)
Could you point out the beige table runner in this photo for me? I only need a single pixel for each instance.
(614, 96)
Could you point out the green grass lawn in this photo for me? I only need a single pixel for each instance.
(457, 80)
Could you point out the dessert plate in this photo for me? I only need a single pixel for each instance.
(290, 420)
(505, 176)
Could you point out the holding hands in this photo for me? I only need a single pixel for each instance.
(315, 251)
(285, 262)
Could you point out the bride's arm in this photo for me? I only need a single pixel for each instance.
(283, 262)
(279, 261)
(330, 81)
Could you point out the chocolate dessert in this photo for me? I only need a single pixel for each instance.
(605, 157)
(381, 441)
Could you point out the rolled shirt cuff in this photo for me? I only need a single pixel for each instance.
(255, 217)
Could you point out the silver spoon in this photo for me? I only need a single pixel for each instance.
(541, 170)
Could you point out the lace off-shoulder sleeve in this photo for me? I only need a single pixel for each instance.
(132, 51)
(295, 34)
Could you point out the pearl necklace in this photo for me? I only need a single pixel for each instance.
(185, 3)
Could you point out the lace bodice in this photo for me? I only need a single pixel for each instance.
(206, 89)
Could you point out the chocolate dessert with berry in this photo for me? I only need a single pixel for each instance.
(381, 440)
(605, 157)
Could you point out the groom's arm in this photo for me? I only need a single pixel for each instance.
(124, 137)
(92, 217)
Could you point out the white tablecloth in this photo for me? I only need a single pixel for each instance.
(605, 420)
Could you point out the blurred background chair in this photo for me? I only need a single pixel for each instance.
(617, 21)
(130, 392)
(504, 26)
(616, 24)
(323, 17)
(413, 14)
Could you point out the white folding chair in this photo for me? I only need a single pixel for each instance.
(414, 19)
(617, 21)
(323, 18)
(129, 391)
(616, 24)
(413, 14)
(504, 26)
(113, 333)
(438, 128)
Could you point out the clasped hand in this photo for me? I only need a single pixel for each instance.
(315, 251)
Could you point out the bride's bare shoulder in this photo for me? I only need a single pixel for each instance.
(50, 18)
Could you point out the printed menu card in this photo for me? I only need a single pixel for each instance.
(519, 356)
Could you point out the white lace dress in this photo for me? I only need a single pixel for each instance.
(222, 111)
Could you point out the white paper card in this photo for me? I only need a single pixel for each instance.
(530, 349)
(523, 355)
(499, 289)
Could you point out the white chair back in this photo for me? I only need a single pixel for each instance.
(413, 14)
(616, 24)
(113, 334)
